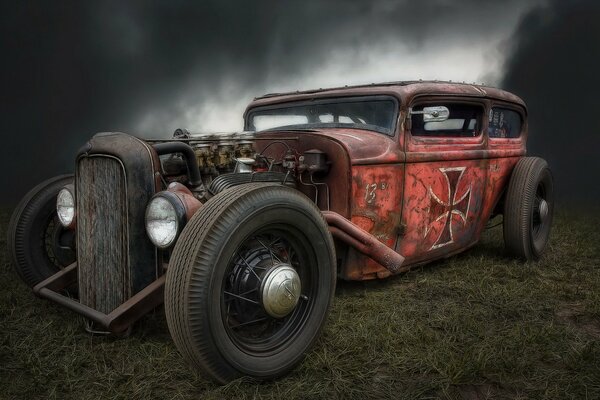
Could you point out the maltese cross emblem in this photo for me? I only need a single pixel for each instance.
(457, 204)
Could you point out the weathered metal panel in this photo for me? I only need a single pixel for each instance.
(446, 178)
(442, 207)
(102, 235)
(140, 165)
(366, 147)
(499, 172)
(443, 189)
(376, 208)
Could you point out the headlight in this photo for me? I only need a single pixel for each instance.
(165, 217)
(65, 206)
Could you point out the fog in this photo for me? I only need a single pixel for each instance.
(74, 68)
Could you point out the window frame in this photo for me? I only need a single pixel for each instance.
(511, 107)
(445, 101)
(330, 100)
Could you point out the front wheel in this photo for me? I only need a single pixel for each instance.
(250, 282)
(38, 244)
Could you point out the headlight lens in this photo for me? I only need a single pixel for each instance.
(162, 221)
(65, 206)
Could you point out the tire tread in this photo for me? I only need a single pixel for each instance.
(21, 218)
(191, 262)
(519, 205)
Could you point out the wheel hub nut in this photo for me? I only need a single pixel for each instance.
(280, 290)
(543, 209)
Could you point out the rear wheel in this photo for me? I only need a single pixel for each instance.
(528, 209)
(250, 282)
(38, 244)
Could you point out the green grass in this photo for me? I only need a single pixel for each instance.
(475, 326)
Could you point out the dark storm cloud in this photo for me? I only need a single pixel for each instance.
(72, 68)
(555, 68)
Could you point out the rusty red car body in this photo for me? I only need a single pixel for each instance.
(425, 198)
(246, 233)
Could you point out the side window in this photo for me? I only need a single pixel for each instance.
(504, 123)
(464, 120)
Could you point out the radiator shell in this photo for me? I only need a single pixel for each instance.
(116, 175)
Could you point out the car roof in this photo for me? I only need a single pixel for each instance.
(405, 90)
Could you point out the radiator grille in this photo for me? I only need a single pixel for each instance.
(102, 234)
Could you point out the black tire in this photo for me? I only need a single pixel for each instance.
(218, 259)
(34, 233)
(528, 209)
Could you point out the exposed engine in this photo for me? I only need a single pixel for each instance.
(227, 160)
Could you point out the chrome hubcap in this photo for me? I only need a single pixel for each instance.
(543, 210)
(280, 290)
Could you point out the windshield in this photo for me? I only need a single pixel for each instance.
(371, 113)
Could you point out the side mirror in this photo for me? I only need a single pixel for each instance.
(433, 114)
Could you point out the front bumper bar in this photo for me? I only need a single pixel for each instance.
(118, 320)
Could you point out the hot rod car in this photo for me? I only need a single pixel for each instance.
(244, 235)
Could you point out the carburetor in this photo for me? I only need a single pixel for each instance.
(217, 153)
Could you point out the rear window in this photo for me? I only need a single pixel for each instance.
(504, 123)
(464, 120)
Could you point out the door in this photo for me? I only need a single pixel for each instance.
(445, 177)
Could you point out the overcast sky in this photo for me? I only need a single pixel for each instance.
(330, 44)
(73, 68)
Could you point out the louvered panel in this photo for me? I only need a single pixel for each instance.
(102, 234)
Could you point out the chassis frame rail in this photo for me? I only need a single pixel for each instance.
(118, 320)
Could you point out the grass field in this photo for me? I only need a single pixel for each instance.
(475, 326)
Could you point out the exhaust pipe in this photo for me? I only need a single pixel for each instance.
(364, 242)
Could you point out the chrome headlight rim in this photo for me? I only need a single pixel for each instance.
(179, 218)
(65, 200)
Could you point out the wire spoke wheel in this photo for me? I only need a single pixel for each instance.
(59, 243)
(261, 313)
(250, 282)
